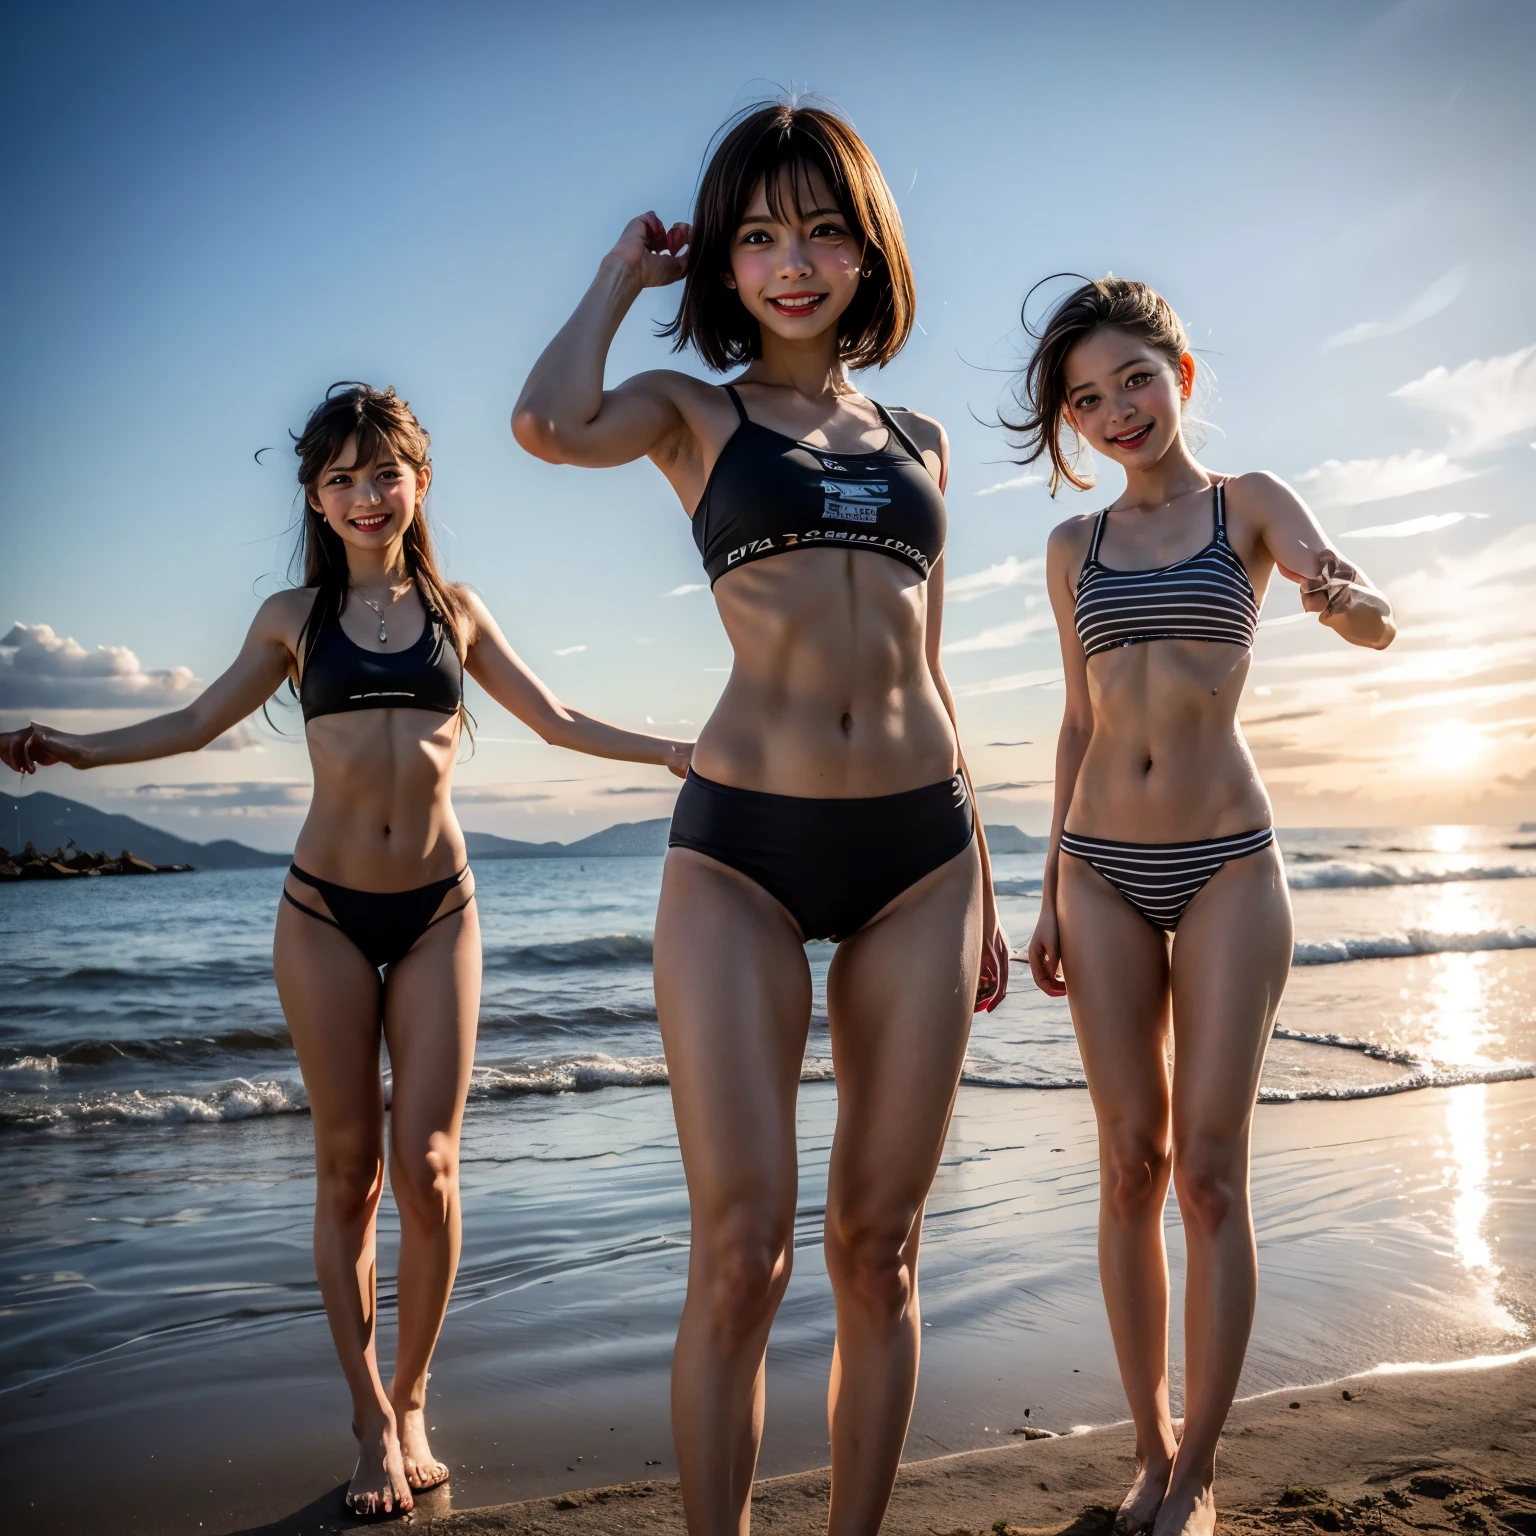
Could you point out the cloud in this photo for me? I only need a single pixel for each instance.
(39, 669)
(998, 789)
(233, 794)
(686, 588)
(1009, 485)
(569, 650)
(1011, 572)
(507, 794)
(1415, 525)
(238, 738)
(1486, 403)
(1351, 483)
(1002, 637)
(1011, 683)
(1440, 295)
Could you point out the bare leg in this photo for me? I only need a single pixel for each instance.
(733, 993)
(1230, 962)
(899, 995)
(1116, 967)
(330, 996)
(431, 1007)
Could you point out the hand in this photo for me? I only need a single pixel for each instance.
(654, 254)
(1045, 955)
(993, 985)
(679, 756)
(35, 746)
(1333, 591)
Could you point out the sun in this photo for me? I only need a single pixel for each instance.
(1453, 746)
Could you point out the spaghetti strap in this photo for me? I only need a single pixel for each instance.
(1221, 509)
(896, 432)
(1098, 534)
(741, 410)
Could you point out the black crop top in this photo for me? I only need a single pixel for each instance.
(769, 494)
(339, 675)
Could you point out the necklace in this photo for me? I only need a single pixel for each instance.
(383, 632)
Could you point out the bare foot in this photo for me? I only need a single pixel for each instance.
(379, 1485)
(1140, 1506)
(422, 1469)
(1189, 1509)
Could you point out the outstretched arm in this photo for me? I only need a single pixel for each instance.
(258, 671)
(1333, 588)
(502, 673)
(564, 415)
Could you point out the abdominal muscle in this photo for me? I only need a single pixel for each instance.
(830, 695)
(381, 818)
(1167, 762)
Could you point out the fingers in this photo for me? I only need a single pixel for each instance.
(678, 237)
(1044, 968)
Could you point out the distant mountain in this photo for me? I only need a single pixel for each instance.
(629, 839)
(1006, 839)
(49, 821)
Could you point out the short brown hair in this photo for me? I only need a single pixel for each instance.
(779, 144)
(1042, 389)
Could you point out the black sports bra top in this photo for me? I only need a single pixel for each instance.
(339, 675)
(769, 494)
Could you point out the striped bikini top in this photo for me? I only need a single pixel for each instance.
(1206, 597)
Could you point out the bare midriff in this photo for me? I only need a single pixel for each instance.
(382, 818)
(1167, 762)
(830, 694)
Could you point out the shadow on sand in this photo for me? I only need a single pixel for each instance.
(329, 1513)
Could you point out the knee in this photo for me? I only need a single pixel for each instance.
(349, 1177)
(872, 1263)
(1211, 1176)
(744, 1273)
(425, 1180)
(1134, 1166)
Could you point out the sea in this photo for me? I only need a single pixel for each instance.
(154, 1132)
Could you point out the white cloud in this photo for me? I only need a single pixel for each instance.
(39, 669)
(1011, 684)
(233, 794)
(1004, 637)
(1352, 482)
(569, 650)
(1011, 485)
(1414, 525)
(1486, 403)
(686, 588)
(1011, 572)
(1440, 294)
(238, 738)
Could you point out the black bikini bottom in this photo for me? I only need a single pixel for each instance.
(382, 924)
(1161, 879)
(832, 864)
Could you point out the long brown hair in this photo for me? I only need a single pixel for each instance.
(1041, 390)
(779, 144)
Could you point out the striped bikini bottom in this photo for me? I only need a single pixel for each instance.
(1161, 879)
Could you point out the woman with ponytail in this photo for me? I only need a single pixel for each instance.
(376, 933)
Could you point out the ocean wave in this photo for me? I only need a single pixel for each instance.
(160, 1050)
(116, 980)
(1021, 887)
(237, 1099)
(1416, 941)
(603, 949)
(1341, 876)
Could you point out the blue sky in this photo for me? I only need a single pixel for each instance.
(217, 211)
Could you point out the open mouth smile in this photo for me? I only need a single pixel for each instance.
(371, 523)
(1133, 439)
(790, 304)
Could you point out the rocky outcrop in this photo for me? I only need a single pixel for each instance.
(71, 863)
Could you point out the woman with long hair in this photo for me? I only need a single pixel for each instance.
(828, 800)
(1169, 913)
(378, 642)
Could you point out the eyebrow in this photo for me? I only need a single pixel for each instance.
(814, 213)
(347, 469)
(1072, 389)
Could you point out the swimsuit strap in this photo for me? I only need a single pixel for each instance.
(741, 410)
(1221, 510)
(1098, 534)
(896, 432)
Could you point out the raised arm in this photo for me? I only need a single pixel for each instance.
(501, 672)
(564, 415)
(258, 671)
(1333, 588)
(1061, 555)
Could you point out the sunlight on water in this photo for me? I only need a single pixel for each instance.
(1468, 1171)
(1447, 839)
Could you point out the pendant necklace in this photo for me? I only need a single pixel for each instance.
(383, 632)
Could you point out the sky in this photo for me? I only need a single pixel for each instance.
(216, 211)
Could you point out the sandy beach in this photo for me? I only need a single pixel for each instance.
(1430, 1449)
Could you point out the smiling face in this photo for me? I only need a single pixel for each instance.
(1125, 397)
(796, 267)
(369, 506)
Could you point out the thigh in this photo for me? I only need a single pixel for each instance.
(1115, 964)
(330, 998)
(1230, 962)
(431, 1011)
(900, 995)
(733, 995)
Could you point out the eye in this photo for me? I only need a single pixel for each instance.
(338, 479)
(757, 237)
(825, 231)
(1136, 380)
(1084, 402)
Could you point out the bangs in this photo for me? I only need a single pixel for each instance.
(784, 164)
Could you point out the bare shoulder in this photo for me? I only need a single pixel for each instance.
(1068, 541)
(926, 431)
(283, 614)
(1259, 492)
